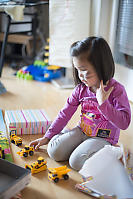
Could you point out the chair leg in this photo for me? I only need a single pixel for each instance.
(28, 48)
(4, 44)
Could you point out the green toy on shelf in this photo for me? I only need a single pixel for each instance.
(23, 74)
(40, 63)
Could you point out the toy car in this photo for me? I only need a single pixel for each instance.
(2, 153)
(27, 150)
(14, 138)
(54, 174)
(36, 167)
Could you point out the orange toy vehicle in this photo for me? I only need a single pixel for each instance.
(14, 138)
(54, 174)
(39, 165)
(27, 150)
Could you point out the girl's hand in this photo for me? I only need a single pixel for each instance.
(39, 142)
(101, 94)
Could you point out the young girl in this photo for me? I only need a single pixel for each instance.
(104, 106)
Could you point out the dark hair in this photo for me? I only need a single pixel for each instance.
(98, 54)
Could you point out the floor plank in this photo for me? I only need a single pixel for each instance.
(23, 94)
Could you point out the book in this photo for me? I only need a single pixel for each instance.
(4, 140)
(83, 187)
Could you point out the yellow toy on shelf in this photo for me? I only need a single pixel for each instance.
(53, 67)
(54, 174)
(46, 47)
(38, 166)
(14, 138)
(46, 52)
(27, 150)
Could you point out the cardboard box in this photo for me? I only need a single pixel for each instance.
(13, 179)
(27, 121)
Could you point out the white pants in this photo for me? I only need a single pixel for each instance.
(74, 146)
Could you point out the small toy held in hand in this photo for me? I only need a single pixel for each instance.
(54, 174)
(36, 167)
(27, 150)
(14, 138)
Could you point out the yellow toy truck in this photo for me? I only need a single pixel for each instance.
(36, 167)
(14, 138)
(2, 153)
(27, 150)
(54, 174)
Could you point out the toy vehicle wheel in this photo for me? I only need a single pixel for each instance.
(56, 180)
(3, 155)
(66, 177)
(13, 141)
(28, 168)
(25, 155)
(19, 144)
(31, 153)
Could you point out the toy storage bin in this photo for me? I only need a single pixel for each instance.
(13, 179)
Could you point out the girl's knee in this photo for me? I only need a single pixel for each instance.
(78, 159)
(75, 162)
(54, 150)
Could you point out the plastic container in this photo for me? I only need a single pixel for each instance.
(13, 179)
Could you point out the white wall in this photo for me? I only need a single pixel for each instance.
(69, 22)
(103, 19)
(94, 17)
(125, 76)
(103, 22)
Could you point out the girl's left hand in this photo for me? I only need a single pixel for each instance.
(101, 94)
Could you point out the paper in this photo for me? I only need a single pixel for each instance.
(110, 177)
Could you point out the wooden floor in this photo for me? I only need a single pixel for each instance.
(22, 94)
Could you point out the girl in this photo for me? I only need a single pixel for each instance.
(104, 106)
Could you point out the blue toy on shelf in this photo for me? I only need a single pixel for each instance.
(41, 73)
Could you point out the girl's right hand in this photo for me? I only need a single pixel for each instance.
(39, 142)
(101, 94)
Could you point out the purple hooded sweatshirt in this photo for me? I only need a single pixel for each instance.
(103, 121)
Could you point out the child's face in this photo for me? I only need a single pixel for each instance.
(86, 72)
